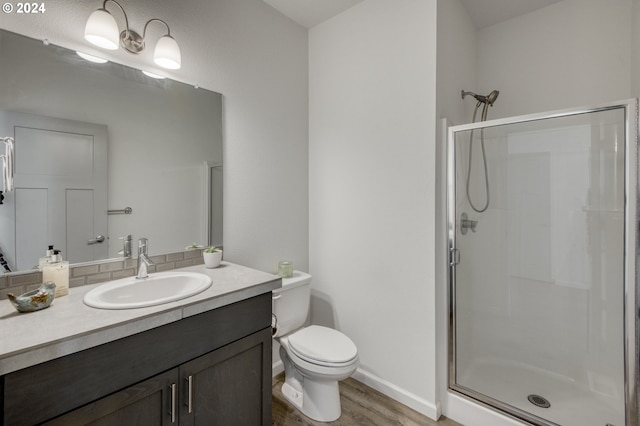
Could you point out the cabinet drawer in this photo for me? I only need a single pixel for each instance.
(149, 402)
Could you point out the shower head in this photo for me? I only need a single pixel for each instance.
(489, 99)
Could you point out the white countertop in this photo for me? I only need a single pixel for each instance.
(69, 326)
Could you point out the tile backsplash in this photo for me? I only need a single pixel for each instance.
(83, 274)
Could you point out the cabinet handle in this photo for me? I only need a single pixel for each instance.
(173, 402)
(190, 393)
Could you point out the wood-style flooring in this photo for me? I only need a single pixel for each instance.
(361, 406)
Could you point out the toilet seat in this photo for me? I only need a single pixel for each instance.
(322, 346)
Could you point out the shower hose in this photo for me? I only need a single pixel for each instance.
(484, 158)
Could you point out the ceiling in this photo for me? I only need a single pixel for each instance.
(310, 13)
(483, 13)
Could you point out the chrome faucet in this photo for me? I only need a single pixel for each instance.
(143, 259)
(126, 246)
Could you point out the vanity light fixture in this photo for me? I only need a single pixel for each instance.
(102, 30)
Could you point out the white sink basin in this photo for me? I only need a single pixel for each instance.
(158, 288)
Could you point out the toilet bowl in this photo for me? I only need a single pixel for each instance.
(315, 358)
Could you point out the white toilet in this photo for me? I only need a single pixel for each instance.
(315, 358)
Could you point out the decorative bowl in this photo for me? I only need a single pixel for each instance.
(34, 300)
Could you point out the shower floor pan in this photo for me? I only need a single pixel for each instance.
(571, 404)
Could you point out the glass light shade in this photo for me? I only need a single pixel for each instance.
(102, 30)
(167, 53)
(91, 58)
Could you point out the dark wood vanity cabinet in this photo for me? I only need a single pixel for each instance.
(227, 384)
(223, 387)
(209, 369)
(149, 402)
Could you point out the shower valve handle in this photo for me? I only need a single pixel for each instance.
(466, 224)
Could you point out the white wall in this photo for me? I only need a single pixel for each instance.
(372, 189)
(635, 47)
(456, 61)
(257, 59)
(572, 53)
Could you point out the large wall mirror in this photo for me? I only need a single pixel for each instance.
(104, 150)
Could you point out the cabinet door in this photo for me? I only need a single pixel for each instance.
(151, 402)
(230, 386)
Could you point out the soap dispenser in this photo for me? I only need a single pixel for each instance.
(47, 257)
(57, 270)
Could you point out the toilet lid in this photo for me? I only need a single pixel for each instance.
(318, 344)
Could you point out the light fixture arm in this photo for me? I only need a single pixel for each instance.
(144, 32)
(130, 40)
(126, 19)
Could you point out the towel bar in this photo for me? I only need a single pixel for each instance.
(126, 210)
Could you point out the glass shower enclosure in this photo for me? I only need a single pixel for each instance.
(542, 282)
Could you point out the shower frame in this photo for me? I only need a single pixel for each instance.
(631, 302)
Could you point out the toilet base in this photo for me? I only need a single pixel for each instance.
(316, 398)
(320, 400)
(293, 396)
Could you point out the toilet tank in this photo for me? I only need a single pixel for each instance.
(291, 302)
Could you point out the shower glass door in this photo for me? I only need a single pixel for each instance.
(542, 282)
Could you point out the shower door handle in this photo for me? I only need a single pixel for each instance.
(454, 257)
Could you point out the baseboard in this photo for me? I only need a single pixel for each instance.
(403, 396)
(422, 406)
(277, 368)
